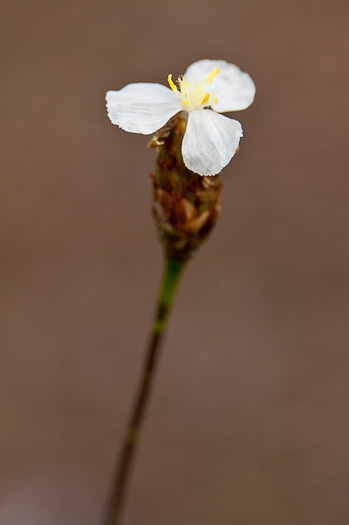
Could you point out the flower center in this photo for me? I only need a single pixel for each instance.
(195, 95)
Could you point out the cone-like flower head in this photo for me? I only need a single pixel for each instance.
(186, 206)
(208, 88)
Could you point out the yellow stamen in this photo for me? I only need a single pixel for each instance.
(186, 102)
(170, 81)
(212, 75)
(205, 99)
(215, 100)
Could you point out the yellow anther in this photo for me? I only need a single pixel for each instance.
(186, 102)
(212, 75)
(170, 81)
(215, 100)
(205, 99)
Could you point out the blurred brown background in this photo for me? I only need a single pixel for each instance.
(248, 423)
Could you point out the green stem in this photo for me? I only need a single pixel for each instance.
(172, 273)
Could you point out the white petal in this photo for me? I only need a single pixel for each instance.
(233, 88)
(200, 70)
(142, 108)
(210, 141)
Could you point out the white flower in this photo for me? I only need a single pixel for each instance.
(208, 88)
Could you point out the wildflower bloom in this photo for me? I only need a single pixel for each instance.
(208, 88)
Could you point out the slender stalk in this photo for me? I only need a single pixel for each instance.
(172, 273)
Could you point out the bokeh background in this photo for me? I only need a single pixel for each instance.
(248, 422)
